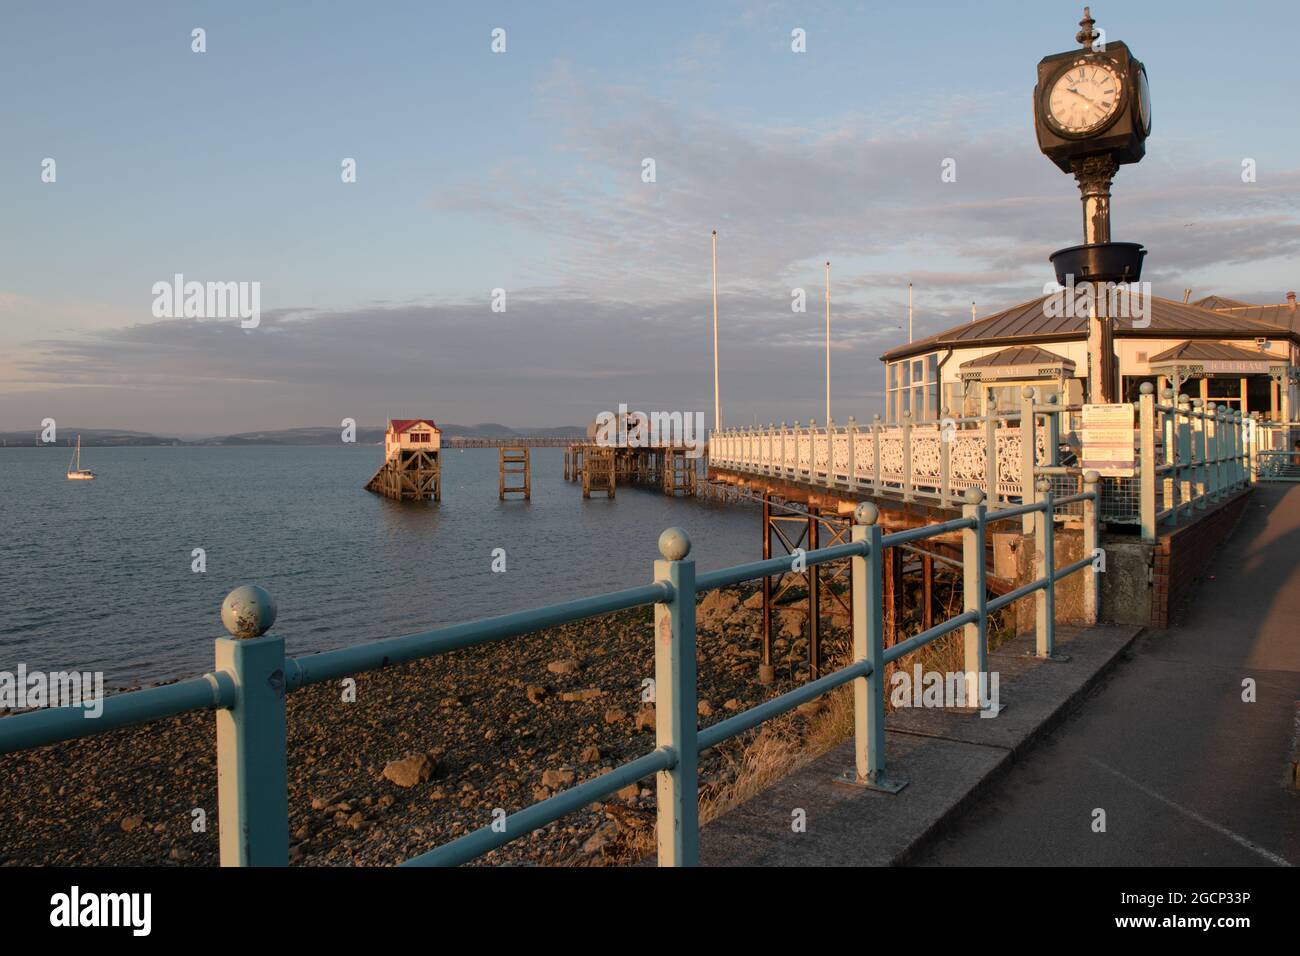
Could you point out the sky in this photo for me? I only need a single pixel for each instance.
(522, 171)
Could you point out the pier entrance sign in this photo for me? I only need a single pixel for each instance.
(1107, 440)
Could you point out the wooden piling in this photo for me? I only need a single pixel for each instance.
(598, 471)
(411, 476)
(515, 464)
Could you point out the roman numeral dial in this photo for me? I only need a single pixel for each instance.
(1085, 97)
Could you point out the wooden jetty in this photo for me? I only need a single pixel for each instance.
(515, 467)
(412, 469)
(597, 471)
(662, 465)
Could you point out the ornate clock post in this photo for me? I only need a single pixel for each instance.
(1092, 113)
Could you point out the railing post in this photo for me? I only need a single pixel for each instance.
(1027, 456)
(1186, 472)
(1053, 424)
(908, 494)
(1147, 460)
(677, 789)
(947, 435)
(1045, 569)
(852, 471)
(1234, 432)
(798, 470)
(1212, 450)
(830, 453)
(812, 450)
(252, 775)
(975, 643)
(991, 457)
(1241, 448)
(875, 454)
(1091, 508)
(1238, 449)
(1247, 427)
(1200, 453)
(1226, 450)
(783, 449)
(1167, 432)
(1252, 448)
(868, 768)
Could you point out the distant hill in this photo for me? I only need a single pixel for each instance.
(366, 435)
(90, 438)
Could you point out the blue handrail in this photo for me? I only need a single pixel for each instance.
(252, 676)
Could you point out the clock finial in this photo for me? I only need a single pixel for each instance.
(1087, 35)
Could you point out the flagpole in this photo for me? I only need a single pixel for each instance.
(909, 313)
(717, 407)
(828, 342)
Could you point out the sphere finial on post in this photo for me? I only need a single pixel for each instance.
(248, 611)
(674, 544)
(866, 513)
(974, 496)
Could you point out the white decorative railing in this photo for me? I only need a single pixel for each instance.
(931, 460)
(1186, 457)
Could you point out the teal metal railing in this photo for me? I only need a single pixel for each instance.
(252, 678)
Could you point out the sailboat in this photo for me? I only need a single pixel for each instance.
(75, 471)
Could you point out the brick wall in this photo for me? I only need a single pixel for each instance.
(1181, 555)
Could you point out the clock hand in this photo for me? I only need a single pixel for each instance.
(1077, 93)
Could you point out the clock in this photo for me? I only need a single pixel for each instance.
(1092, 103)
(1085, 97)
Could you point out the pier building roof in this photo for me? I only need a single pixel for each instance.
(400, 425)
(1029, 322)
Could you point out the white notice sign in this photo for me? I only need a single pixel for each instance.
(1107, 440)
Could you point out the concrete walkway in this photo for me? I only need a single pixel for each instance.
(1186, 771)
(1150, 729)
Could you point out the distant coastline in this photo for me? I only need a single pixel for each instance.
(365, 435)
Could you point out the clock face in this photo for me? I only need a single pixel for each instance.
(1084, 98)
(1144, 102)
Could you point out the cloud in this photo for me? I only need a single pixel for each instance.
(863, 189)
(626, 316)
(554, 357)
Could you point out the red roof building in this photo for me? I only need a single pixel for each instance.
(411, 434)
